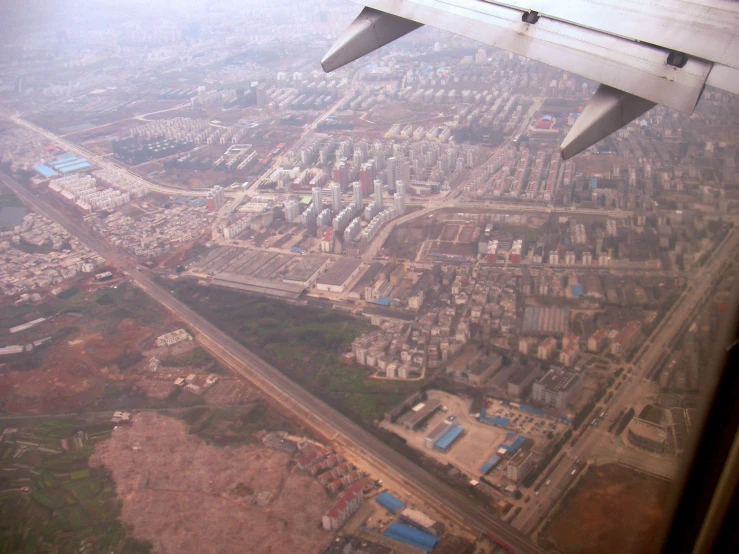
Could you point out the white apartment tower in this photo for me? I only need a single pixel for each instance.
(400, 198)
(317, 199)
(335, 197)
(292, 210)
(357, 194)
(390, 172)
(378, 194)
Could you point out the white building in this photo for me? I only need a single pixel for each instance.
(335, 197)
(174, 337)
(292, 210)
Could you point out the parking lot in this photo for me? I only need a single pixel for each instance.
(536, 427)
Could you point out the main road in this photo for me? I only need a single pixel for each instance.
(291, 396)
(595, 443)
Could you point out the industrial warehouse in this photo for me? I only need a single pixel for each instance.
(64, 164)
(272, 274)
(338, 275)
(496, 448)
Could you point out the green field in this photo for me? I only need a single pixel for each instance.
(50, 500)
(107, 305)
(195, 357)
(303, 342)
(233, 426)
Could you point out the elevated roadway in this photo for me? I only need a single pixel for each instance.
(294, 398)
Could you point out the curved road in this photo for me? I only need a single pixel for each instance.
(299, 401)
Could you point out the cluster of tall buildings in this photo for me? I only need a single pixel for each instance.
(82, 192)
(346, 219)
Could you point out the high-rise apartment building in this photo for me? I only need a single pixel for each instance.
(403, 172)
(367, 178)
(357, 195)
(317, 193)
(378, 193)
(335, 197)
(390, 172)
(340, 174)
(215, 199)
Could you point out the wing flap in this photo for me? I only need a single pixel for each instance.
(637, 68)
(702, 29)
(724, 77)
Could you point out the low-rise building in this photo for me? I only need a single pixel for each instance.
(555, 388)
(519, 466)
(485, 369)
(597, 340)
(626, 339)
(569, 355)
(338, 275)
(647, 435)
(344, 507)
(546, 348)
(521, 379)
(168, 339)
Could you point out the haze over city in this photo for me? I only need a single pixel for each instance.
(249, 305)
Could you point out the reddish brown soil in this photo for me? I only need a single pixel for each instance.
(185, 496)
(67, 381)
(229, 391)
(75, 371)
(613, 510)
(453, 248)
(450, 232)
(467, 234)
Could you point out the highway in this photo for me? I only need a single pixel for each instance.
(294, 398)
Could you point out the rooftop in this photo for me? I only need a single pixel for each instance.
(648, 430)
(519, 457)
(339, 272)
(521, 374)
(413, 417)
(545, 319)
(368, 277)
(557, 380)
(258, 286)
(304, 268)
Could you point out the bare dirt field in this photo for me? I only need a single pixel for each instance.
(613, 509)
(75, 370)
(467, 233)
(182, 495)
(155, 388)
(98, 353)
(404, 241)
(229, 390)
(449, 233)
(454, 248)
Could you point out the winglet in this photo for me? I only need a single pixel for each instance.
(368, 32)
(606, 112)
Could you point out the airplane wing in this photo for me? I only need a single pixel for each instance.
(642, 52)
